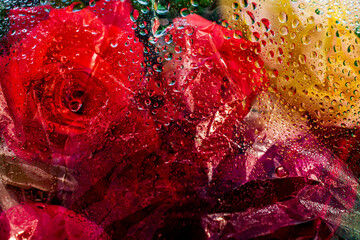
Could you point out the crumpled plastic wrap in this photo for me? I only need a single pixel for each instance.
(289, 180)
(278, 186)
(196, 150)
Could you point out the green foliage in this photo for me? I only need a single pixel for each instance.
(171, 9)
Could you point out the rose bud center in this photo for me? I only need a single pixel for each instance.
(75, 100)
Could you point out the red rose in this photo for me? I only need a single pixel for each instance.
(210, 75)
(69, 82)
(207, 66)
(39, 221)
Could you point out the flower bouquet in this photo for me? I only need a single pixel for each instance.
(179, 119)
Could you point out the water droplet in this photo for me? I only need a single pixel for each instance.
(271, 54)
(302, 59)
(75, 106)
(235, 16)
(238, 34)
(255, 36)
(145, 10)
(307, 77)
(92, 3)
(194, 3)
(330, 78)
(171, 81)
(283, 17)
(310, 20)
(284, 31)
(357, 63)
(357, 31)
(114, 43)
(168, 39)
(158, 68)
(249, 18)
(318, 44)
(168, 56)
(306, 39)
(184, 12)
(319, 27)
(160, 31)
(209, 64)
(337, 48)
(144, 2)
(351, 48)
(319, 11)
(295, 23)
(189, 31)
(313, 54)
(235, 5)
(131, 77)
(178, 49)
(302, 6)
(63, 59)
(134, 15)
(281, 172)
(265, 24)
(331, 59)
(244, 3)
(161, 8)
(292, 35)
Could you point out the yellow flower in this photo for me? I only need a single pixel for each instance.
(312, 52)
